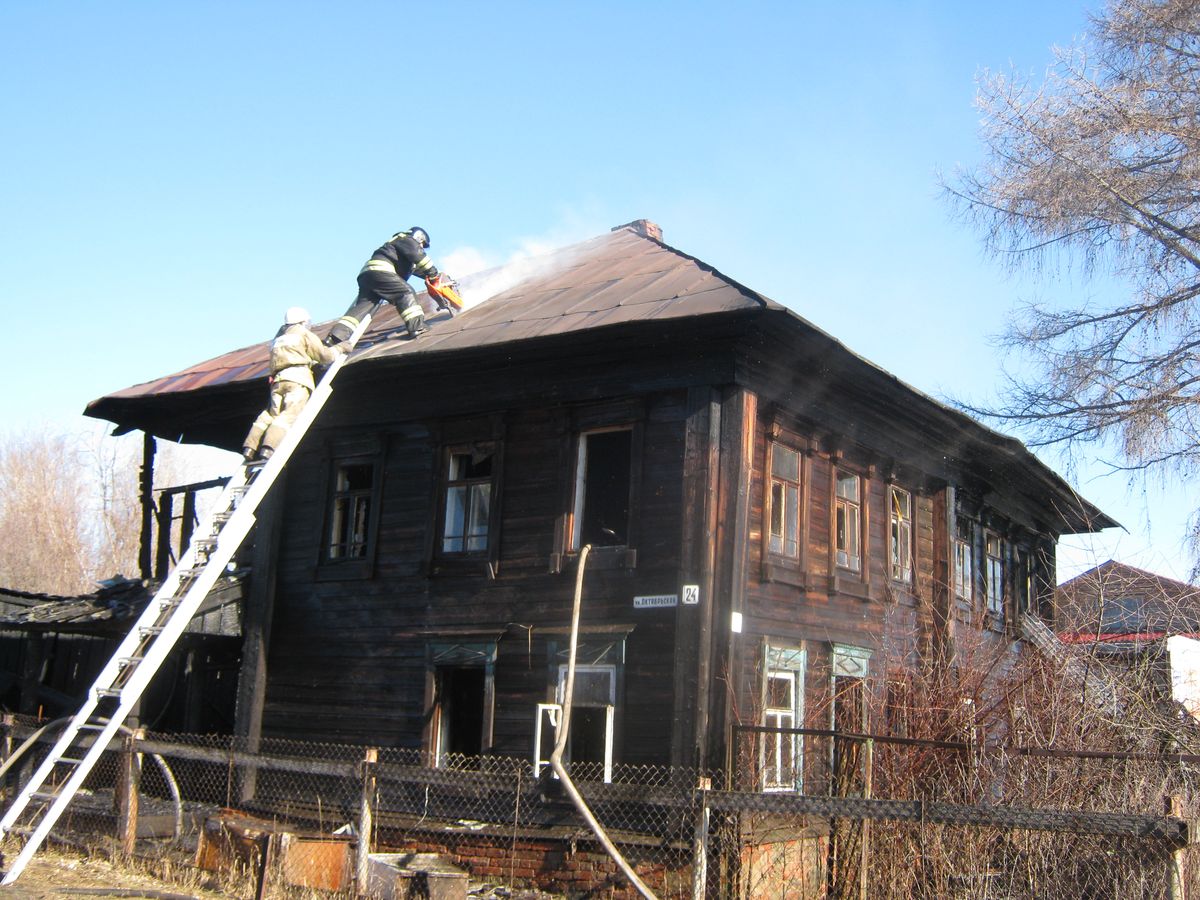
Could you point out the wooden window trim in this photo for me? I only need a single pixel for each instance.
(620, 416)
(354, 451)
(461, 434)
(842, 578)
(777, 567)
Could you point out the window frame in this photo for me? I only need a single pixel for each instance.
(962, 550)
(792, 503)
(857, 505)
(904, 543)
(625, 415)
(579, 509)
(441, 655)
(788, 664)
(994, 570)
(470, 486)
(360, 453)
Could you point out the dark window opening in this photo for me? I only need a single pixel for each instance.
(602, 491)
(348, 529)
(460, 709)
(586, 738)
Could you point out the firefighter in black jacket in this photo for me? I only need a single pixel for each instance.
(385, 277)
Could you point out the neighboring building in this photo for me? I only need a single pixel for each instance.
(775, 522)
(53, 647)
(1115, 602)
(1141, 627)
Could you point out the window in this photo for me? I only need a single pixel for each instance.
(901, 535)
(994, 580)
(462, 679)
(781, 755)
(1023, 581)
(785, 501)
(468, 500)
(848, 715)
(589, 746)
(964, 562)
(1122, 615)
(602, 489)
(847, 521)
(353, 488)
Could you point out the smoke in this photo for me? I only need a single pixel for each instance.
(481, 277)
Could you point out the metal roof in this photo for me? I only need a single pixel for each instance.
(625, 277)
(616, 278)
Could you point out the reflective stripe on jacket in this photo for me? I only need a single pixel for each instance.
(404, 256)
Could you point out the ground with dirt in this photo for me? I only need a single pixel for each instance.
(55, 872)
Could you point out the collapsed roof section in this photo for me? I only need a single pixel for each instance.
(626, 279)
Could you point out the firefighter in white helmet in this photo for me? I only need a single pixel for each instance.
(295, 352)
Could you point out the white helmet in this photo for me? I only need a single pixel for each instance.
(295, 315)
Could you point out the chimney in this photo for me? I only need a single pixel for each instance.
(644, 227)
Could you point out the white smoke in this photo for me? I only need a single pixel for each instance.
(482, 277)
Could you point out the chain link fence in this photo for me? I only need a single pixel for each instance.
(795, 814)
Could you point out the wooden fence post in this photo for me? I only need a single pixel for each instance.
(865, 837)
(129, 780)
(8, 721)
(700, 854)
(366, 817)
(1176, 889)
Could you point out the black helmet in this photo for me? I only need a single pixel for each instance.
(420, 235)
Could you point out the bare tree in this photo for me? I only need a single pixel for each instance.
(70, 513)
(44, 540)
(1099, 166)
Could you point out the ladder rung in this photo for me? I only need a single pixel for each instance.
(46, 796)
(150, 630)
(106, 692)
(94, 726)
(69, 760)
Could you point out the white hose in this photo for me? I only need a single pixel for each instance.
(560, 744)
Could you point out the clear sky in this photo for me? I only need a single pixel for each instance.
(174, 175)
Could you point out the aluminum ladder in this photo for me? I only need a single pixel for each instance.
(121, 683)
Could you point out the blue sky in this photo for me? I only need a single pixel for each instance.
(172, 176)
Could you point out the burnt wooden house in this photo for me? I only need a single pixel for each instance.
(774, 521)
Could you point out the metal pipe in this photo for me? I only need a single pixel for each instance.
(560, 744)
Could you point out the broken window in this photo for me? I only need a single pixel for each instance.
(901, 535)
(785, 502)
(459, 711)
(602, 489)
(589, 747)
(781, 754)
(468, 499)
(994, 580)
(349, 525)
(462, 676)
(848, 521)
